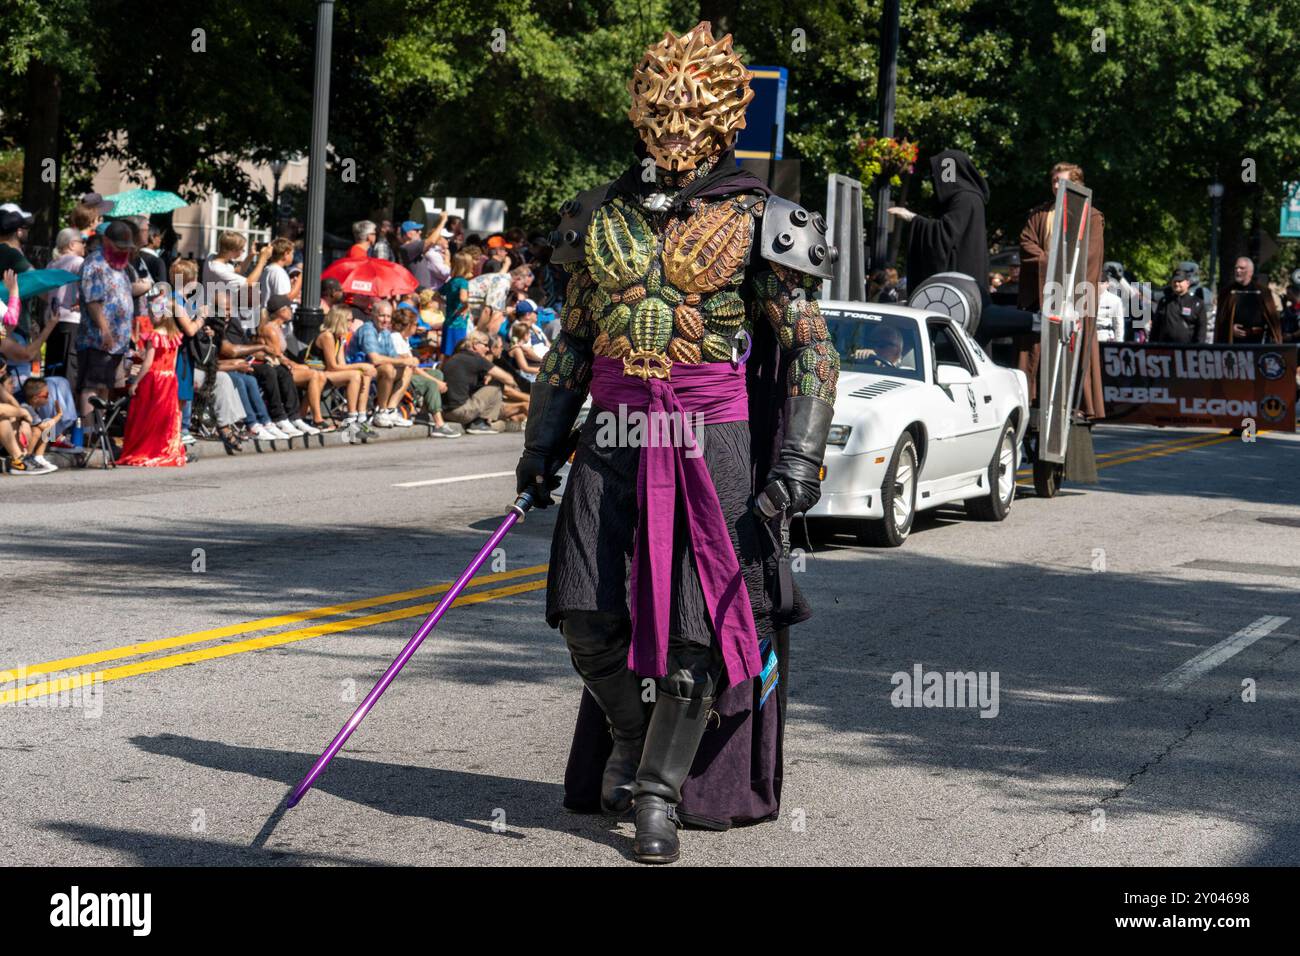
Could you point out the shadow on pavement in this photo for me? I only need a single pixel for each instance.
(461, 799)
(153, 849)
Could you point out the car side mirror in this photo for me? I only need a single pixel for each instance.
(948, 375)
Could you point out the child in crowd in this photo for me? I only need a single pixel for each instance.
(152, 438)
(426, 383)
(23, 436)
(526, 362)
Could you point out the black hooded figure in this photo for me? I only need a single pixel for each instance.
(955, 241)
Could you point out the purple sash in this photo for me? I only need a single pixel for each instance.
(716, 392)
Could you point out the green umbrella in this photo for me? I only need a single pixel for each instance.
(144, 202)
(34, 282)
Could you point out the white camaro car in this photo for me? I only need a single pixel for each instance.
(923, 418)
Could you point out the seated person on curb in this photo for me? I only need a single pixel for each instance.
(329, 349)
(24, 437)
(247, 416)
(275, 382)
(520, 356)
(225, 394)
(50, 398)
(514, 395)
(474, 387)
(252, 408)
(427, 384)
(373, 344)
(270, 333)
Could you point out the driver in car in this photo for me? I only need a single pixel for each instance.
(886, 348)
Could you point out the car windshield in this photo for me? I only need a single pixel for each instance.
(876, 343)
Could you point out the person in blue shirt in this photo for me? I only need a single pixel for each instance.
(372, 343)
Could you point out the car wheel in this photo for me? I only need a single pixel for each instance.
(897, 498)
(1047, 478)
(1001, 480)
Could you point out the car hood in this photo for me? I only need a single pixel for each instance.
(876, 407)
(866, 387)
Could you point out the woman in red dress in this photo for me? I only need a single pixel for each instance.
(153, 419)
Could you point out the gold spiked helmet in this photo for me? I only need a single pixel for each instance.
(689, 95)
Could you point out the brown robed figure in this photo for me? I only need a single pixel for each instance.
(1034, 242)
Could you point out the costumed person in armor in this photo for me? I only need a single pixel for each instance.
(689, 300)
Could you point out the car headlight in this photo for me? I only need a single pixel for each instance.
(839, 434)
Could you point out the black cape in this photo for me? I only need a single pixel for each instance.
(955, 241)
(725, 179)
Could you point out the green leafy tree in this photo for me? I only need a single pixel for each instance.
(41, 48)
(525, 103)
(1156, 99)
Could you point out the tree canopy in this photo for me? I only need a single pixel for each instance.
(526, 101)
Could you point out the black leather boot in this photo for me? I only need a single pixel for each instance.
(619, 697)
(673, 737)
(598, 646)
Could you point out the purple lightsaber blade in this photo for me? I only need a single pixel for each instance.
(517, 510)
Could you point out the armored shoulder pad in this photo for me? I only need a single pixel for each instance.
(569, 238)
(796, 238)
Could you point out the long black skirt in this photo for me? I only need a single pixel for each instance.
(737, 774)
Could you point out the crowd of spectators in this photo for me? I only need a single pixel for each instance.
(1181, 310)
(158, 352)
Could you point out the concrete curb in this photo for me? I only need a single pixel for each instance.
(214, 450)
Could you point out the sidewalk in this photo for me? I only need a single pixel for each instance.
(213, 449)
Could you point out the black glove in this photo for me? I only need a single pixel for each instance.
(799, 462)
(551, 414)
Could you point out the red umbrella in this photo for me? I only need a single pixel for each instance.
(378, 278)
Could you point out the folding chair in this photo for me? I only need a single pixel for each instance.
(105, 415)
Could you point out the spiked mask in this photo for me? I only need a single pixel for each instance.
(689, 95)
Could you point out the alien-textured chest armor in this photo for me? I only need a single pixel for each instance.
(668, 285)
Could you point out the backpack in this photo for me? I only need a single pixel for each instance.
(201, 347)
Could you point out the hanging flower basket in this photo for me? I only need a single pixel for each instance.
(884, 159)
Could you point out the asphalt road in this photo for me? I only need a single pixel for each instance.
(1108, 615)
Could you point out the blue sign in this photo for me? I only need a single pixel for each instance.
(1289, 227)
(765, 115)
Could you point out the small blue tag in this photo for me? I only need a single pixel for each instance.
(771, 675)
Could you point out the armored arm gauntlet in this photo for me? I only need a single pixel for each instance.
(558, 394)
(814, 370)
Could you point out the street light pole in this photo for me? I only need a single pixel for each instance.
(277, 170)
(310, 314)
(1216, 194)
(886, 86)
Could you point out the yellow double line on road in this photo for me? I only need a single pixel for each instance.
(1158, 449)
(1201, 441)
(44, 688)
